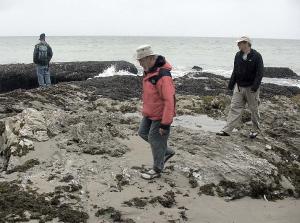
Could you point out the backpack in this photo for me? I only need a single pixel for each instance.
(162, 73)
(43, 53)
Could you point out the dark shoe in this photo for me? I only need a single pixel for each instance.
(150, 175)
(169, 156)
(222, 133)
(253, 135)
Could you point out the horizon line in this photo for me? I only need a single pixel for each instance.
(152, 36)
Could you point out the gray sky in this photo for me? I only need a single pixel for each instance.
(228, 18)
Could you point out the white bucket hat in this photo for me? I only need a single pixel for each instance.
(144, 51)
(244, 39)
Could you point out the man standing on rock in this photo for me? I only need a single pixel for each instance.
(41, 57)
(158, 108)
(245, 81)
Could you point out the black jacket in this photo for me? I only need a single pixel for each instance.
(36, 54)
(248, 72)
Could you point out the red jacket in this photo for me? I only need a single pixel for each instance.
(159, 93)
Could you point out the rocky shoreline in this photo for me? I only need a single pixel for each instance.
(280, 72)
(70, 153)
(23, 76)
(15, 76)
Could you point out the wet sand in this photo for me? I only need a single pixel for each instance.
(207, 209)
(198, 209)
(77, 153)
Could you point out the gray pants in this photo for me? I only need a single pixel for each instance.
(241, 96)
(43, 75)
(149, 131)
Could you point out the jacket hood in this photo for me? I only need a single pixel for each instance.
(160, 63)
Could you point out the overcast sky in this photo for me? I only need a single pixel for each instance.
(224, 18)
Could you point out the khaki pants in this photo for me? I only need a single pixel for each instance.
(241, 96)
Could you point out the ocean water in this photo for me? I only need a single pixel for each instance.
(213, 54)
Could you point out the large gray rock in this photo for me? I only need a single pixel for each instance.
(212, 84)
(21, 131)
(280, 72)
(15, 76)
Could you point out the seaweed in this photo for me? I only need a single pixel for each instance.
(113, 214)
(15, 202)
(121, 181)
(24, 167)
(207, 189)
(137, 202)
(167, 200)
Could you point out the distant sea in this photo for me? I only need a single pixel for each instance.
(213, 54)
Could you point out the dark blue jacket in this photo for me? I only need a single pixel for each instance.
(247, 73)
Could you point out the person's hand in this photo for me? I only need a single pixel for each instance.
(162, 132)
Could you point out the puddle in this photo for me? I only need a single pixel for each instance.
(199, 122)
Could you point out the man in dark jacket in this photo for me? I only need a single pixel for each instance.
(42, 56)
(245, 81)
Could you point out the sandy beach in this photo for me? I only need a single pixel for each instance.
(149, 111)
(72, 154)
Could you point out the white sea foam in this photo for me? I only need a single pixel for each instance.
(181, 71)
(225, 73)
(282, 81)
(111, 71)
(278, 81)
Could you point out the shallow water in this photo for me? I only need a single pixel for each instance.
(199, 122)
(282, 81)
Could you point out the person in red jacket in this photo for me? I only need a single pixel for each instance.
(158, 108)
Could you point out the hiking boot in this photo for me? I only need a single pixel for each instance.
(222, 133)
